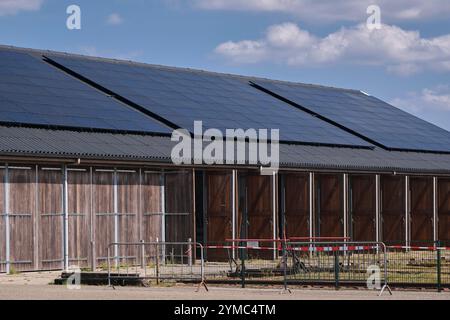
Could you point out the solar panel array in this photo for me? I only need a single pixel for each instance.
(33, 92)
(220, 101)
(365, 115)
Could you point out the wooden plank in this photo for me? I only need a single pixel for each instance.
(363, 207)
(296, 202)
(128, 210)
(103, 204)
(79, 208)
(219, 212)
(329, 208)
(444, 209)
(393, 209)
(421, 210)
(151, 210)
(178, 195)
(50, 219)
(22, 204)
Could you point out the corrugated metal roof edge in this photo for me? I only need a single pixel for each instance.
(25, 156)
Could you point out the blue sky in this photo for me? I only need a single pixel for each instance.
(406, 62)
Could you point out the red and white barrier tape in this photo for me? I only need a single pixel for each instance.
(311, 248)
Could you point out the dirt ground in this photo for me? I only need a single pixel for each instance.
(38, 286)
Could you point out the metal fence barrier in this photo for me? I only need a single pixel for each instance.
(283, 262)
(158, 261)
(420, 264)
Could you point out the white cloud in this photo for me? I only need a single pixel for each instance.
(399, 51)
(434, 99)
(112, 54)
(332, 10)
(10, 7)
(114, 19)
(432, 105)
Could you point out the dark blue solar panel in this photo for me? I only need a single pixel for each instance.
(35, 93)
(220, 101)
(366, 115)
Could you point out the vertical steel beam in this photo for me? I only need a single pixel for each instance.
(116, 217)
(7, 223)
(92, 219)
(205, 207)
(345, 203)
(435, 210)
(407, 212)
(36, 220)
(274, 211)
(311, 205)
(162, 184)
(378, 208)
(233, 208)
(65, 206)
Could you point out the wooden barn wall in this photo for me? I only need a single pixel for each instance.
(362, 210)
(260, 211)
(22, 218)
(151, 206)
(79, 205)
(329, 207)
(219, 220)
(421, 214)
(444, 210)
(296, 205)
(179, 217)
(393, 203)
(2, 222)
(50, 218)
(128, 214)
(104, 212)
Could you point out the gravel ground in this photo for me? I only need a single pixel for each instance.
(37, 286)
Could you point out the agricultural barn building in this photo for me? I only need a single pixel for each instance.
(85, 156)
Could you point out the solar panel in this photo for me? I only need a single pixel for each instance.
(220, 101)
(33, 92)
(366, 115)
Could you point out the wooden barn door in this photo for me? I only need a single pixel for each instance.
(22, 218)
(104, 216)
(444, 210)
(330, 220)
(362, 207)
(128, 214)
(151, 187)
(179, 220)
(256, 212)
(50, 218)
(219, 211)
(422, 222)
(79, 212)
(296, 205)
(393, 209)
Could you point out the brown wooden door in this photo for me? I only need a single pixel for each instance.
(362, 208)
(393, 209)
(22, 218)
(79, 207)
(296, 205)
(128, 209)
(104, 216)
(219, 212)
(50, 218)
(330, 206)
(179, 226)
(444, 210)
(421, 190)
